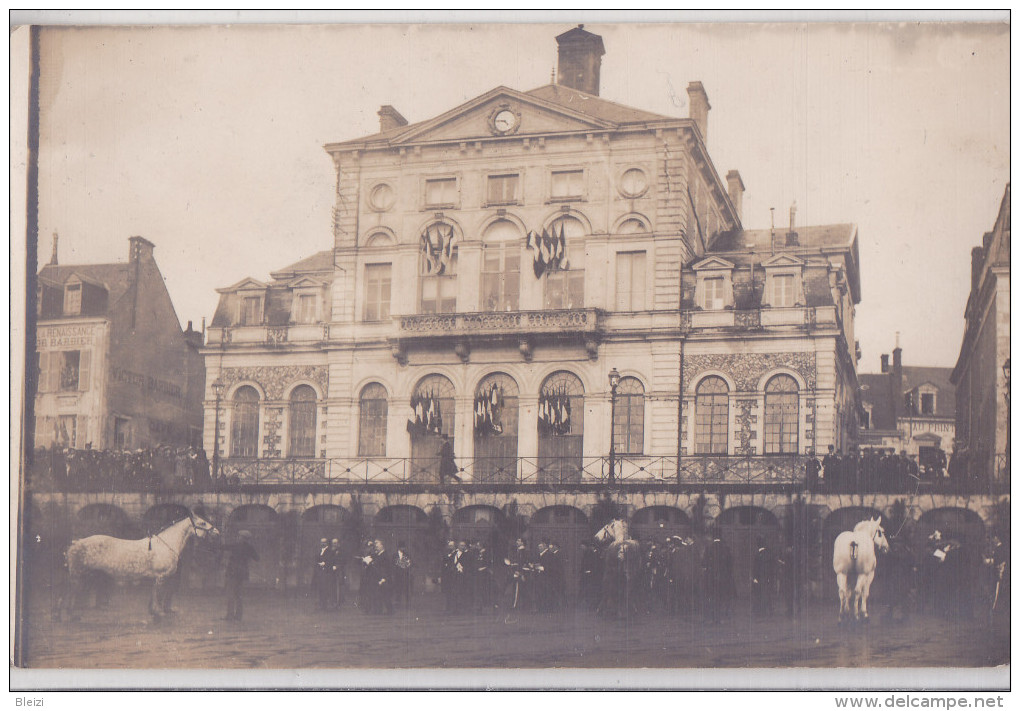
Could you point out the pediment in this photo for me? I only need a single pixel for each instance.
(306, 282)
(476, 119)
(246, 284)
(783, 260)
(712, 263)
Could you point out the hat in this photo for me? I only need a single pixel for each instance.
(323, 540)
(244, 534)
(335, 540)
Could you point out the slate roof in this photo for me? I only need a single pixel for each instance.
(876, 392)
(809, 237)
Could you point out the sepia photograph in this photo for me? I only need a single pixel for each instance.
(464, 352)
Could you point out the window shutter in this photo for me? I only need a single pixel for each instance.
(84, 369)
(44, 372)
(53, 373)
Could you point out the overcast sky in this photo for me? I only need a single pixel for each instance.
(208, 140)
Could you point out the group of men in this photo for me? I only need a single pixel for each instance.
(151, 469)
(385, 576)
(874, 470)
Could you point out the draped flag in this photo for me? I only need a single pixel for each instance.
(549, 250)
(425, 414)
(436, 247)
(554, 412)
(489, 411)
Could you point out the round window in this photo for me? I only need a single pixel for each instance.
(633, 182)
(382, 196)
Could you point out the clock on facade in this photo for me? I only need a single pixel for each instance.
(505, 121)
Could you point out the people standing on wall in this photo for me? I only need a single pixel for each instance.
(830, 470)
(811, 469)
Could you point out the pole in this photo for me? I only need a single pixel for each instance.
(216, 440)
(612, 435)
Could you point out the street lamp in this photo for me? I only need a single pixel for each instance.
(217, 386)
(614, 382)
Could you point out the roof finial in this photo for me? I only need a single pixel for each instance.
(53, 257)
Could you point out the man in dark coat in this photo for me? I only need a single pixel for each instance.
(811, 468)
(830, 470)
(447, 464)
(380, 575)
(895, 577)
(402, 574)
(335, 565)
(717, 564)
(321, 578)
(240, 554)
(448, 579)
(591, 576)
(764, 575)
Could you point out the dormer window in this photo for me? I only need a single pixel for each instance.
(72, 299)
(250, 311)
(306, 308)
(927, 403)
(784, 283)
(713, 289)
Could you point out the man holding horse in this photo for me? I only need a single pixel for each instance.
(717, 564)
(240, 554)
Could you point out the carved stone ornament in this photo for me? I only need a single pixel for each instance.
(747, 369)
(275, 379)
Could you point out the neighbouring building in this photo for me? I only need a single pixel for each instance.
(115, 370)
(981, 375)
(908, 409)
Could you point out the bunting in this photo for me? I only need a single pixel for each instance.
(426, 415)
(436, 247)
(489, 411)
(549, 250)
(554, 412)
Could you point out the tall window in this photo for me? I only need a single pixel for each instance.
(502, 189)
(629, 426)
(715, 298)
(377, 291)
(630, 281)
(441, 192)
(712, 414)
(72, 300)
(927, 403)
(373, 410)
(439, 291)
(435, 393)
(565, 289)
(302, 421)
(501, 277)
(560, 428)
(495, 415)
(244, 423)
(782, 408)
(567, 184)
(304, 309)
(251, 311)
(783, 290)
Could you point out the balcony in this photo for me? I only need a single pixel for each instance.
(754, 319)
(272, 336)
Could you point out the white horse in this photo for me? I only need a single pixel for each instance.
(854, 561)
(621, 570)
(154, 557)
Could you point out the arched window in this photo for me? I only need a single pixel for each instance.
(782, 409)
(560, 428)
(373, 409)
(564, 287)
(438, 268)
(629, 426)
(244, 423)
(501, 267)
(711, 416)
(431, 416)
(495, 424)
(302, 421)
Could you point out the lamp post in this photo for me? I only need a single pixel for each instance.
(218, 389)
(614, 381)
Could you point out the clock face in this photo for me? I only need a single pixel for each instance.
(505, 121)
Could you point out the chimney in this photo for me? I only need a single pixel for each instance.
(580, 60)
(699, 107)
(791, 236)
(735, 187)
(140, 247)
(897, 378)
(53, 257)
(885, 362)
(390, 118)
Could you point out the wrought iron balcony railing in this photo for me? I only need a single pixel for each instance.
(500, 323)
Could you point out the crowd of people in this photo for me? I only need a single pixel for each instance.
(879, 470)
(150, 469)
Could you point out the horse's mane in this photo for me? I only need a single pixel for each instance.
(870, 525)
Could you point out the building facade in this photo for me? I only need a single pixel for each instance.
(492, 265)
(114, 368)
(981, 374)
(909, 409)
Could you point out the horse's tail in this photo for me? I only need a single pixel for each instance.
(853, 551)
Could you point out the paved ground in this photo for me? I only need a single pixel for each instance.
(290, 633)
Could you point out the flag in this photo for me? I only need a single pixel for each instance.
(534, 244)
(436, 247)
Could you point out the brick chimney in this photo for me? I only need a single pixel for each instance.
(699, 107)
(896, 382)
(53, 257)
(390, 118)
(140, 247)
(735, 187)
(885, 362)
(580, 60)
